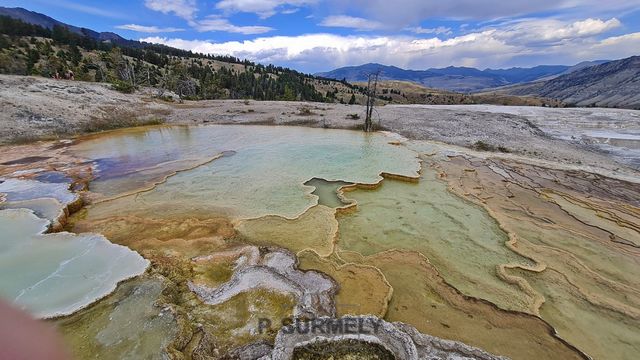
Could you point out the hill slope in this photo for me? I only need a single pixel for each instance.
(36, 44)
(406, 92)
(612, 84)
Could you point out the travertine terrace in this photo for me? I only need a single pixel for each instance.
(247, 225)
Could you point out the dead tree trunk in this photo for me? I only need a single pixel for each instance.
(371, 98)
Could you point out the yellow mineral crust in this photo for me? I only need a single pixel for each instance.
(421, 297)
(363, 288)
(584, 246)
(315, 229)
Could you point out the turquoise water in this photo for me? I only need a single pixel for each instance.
(264, 173)
(58, 274)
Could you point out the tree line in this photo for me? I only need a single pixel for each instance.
(27, 49)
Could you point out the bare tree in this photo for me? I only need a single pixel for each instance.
(166, 82)
(371, 98)
(186, 86)
(127, 73)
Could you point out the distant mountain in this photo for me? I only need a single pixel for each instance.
(35, 18)
(584, 64)
(579, 66)
(45, 21)
(519, 75)
(448, 79)
(360, 73)
(461, 79)
(611, 84)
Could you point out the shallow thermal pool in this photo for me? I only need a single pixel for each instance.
(374, 214)
(257, 171)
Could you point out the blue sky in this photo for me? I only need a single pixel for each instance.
(318, 35)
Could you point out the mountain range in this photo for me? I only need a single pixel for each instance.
(34, 18)
(459, 79)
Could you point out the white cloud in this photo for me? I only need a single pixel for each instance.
(620, 40)
(549, 31)
(612, 47)
(185, 9)
(147, 29)
(290, 11)
(591, 27)
(263, 8)
(401, 13)
(516, 45)
(214, 23)
(316, 52)
(437, 30)
(357, 23)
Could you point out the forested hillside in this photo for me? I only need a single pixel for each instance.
(27, 49)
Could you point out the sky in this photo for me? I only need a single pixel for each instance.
(320, 35)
